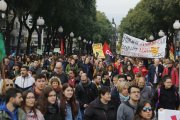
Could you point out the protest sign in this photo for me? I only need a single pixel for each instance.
(98, 50)
(135, 47)
(168, 114)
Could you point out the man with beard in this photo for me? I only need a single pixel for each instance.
(97, 81)
(10, 110)
(127, 109)
(25, 81)
(86, 92)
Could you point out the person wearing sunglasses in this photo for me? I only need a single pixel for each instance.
(144, 111)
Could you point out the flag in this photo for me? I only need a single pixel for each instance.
(62, 47)
(171, 51)
(107, 52)
(2, 48)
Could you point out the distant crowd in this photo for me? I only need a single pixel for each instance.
(86, 87)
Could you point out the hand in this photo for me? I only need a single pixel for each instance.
(85, 105)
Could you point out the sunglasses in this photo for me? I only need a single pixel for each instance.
(9, 85)
(145, 109)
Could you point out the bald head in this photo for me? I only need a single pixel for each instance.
(58, 68)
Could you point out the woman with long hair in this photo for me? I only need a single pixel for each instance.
(144, 111)
(69, 107)
(48, 104)
(28, 105)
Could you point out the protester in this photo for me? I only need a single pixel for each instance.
(28, 105)
(69, 107)
(166, 96)
(11, 108)
(144, 111)
(56, 85)
(48, 104)
(101, 108)
(86, 92)
(25, 81)
(127, 109)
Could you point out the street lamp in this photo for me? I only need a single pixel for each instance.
(61, 43)
(161, 33)
(3, 5)
(176, 41)
(145, 39)
(84, 46)
(151, 37)
(114, 38)
(79, 40)
(40, 23)
(90, 47)
(71, 37)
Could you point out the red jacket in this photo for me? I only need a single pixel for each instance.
(174, 75)
(143, 70)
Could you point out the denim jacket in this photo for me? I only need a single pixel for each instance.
(69, 113)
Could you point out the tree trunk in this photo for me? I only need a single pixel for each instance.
(19, 36)
(28, 43)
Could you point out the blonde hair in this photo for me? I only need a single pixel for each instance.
(122, 85)
(4, 86)
(54, 79)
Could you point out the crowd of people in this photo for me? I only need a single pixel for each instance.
(86, 87)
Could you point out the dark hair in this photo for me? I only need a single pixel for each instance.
(40, 76)
(24, 95)
(140, 108)
(165, 78)
(72, 102)
(26, 67)
(43, 102)
(133, 86)
(103, 90)
(12, 92)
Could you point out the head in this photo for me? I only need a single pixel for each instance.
(104, 94)
(40, 82)
(145, 110)
(122, 78)
(49, 95)
(97, 79)
(72, 74)
(24, 71)
(36, 63)
(134, 93)
(55, 82)
(170, 63)
(84, 78)
(123, 88)
(28, 100)
(129, 77)
(141, 82)
(167, 82)
(72, 61)
(7, 84)
(58, 68)
(115, 79)
(156, 62)
(129, 67)
(68, 95)
(14, 96)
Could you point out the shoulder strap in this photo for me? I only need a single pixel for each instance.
(159, 94)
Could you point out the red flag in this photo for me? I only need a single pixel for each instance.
(174, 117)
(107, 52)
(62, 47)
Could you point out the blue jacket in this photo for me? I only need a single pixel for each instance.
(69, 113)
(5, 114)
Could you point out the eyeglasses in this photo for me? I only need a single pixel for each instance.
(145, 109)
(30, 97)
(9, 85)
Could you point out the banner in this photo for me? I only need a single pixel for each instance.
(107, 52)
(168, 114)
(2, 48)
(97, 50)
(135, 47)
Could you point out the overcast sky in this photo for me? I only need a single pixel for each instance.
(116, 9)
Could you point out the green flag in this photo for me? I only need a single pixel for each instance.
(2, 48)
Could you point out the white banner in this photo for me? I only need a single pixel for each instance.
(135, 47)
(168, 114)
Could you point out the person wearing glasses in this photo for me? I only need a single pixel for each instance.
(48, 104)
(6, 84)
(144, 111)
(127, 109)
(28, 105)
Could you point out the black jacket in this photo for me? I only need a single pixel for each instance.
(52, 113)
(98, 111)
(168, 99)
(63, 77)
(86, 93)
